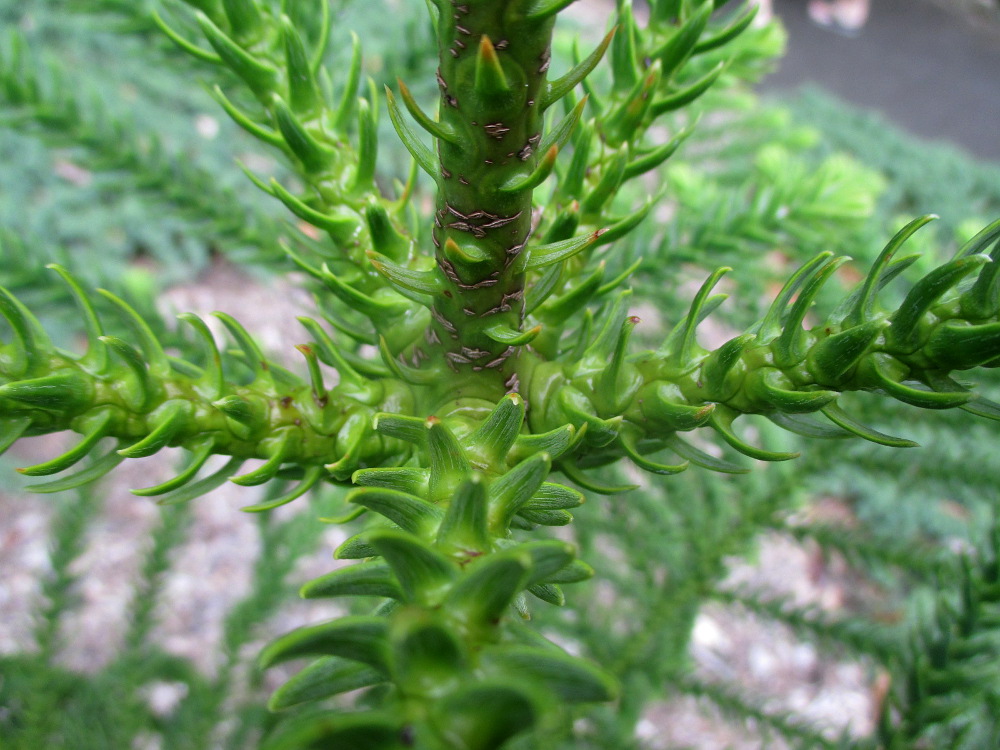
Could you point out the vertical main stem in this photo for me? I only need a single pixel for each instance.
(493, 62)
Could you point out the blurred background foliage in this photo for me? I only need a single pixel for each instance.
(121, 168)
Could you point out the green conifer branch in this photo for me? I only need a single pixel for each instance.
(134, 18)
(944, 688)
(871, 553)
(451, 569)
(612, 149)
(742, 708)
(786, 202)
(39, 100)
(174, 525)
(68, 540)
(858, 636)
(295, 112)
(492, 370)
(283, 545)
(147, 401)
(779, 369)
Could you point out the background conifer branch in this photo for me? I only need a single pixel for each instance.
(38, 99)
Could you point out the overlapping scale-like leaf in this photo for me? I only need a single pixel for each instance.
(442, 551)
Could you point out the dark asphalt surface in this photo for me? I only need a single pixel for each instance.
(934, 73)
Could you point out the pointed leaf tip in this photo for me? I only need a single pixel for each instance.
(536, 177)
(490, 78)
(500, 430)
(489, 586)
(361, 639)
(560, 87)
(423, 155)
(437, 129)
(403, 278)
(327, 676)
(537, 11)
(504, 334)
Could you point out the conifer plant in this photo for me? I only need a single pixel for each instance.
(481, 355)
